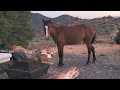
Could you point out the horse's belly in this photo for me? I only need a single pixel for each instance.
(72, 42)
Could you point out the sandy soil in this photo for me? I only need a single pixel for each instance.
(107, 65)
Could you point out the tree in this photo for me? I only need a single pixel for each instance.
(15, 28)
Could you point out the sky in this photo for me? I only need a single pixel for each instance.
(80, 14)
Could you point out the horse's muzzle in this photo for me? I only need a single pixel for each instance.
(47, 38)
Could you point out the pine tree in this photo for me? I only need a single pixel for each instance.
(15, 28)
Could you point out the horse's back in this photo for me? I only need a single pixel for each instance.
(80, 30)
(74, 34)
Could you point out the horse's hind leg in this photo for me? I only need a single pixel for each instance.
(94, 57)
(89, 47)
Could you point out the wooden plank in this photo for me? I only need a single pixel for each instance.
(70, 73)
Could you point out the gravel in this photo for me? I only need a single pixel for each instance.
(107, 66)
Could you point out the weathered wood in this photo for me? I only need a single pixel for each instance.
(17, 48)
(70, 73)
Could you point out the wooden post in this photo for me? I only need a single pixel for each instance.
(70, 73)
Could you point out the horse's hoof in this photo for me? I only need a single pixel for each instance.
(60, 64)
(87, 63)
(94, 59)
(94, 62)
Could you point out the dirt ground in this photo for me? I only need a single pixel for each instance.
(107, 64)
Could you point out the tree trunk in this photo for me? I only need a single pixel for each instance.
(70, 73)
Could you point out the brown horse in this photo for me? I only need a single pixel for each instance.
(70, 35)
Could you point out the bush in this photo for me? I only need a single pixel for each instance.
(117, 38)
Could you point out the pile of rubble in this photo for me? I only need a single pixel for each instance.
(43, 56)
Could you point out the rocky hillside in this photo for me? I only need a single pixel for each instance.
(37, 21)
(103, 25)
(63, 19)
(106, 25)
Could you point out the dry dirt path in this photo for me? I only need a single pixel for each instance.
(107, 65)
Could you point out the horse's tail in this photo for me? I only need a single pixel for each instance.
(94, 38)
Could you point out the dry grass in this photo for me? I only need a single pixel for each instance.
(100, 49)
(103, 39)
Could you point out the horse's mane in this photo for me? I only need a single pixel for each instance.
(58, 25)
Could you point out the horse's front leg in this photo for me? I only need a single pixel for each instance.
(60, 52)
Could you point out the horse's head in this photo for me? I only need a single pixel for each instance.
(46, 28)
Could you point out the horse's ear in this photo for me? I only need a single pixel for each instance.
(49, 20)
(43, 20)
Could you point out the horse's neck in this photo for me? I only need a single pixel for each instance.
(54, 30)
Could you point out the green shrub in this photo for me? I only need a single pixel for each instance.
(15, 28)
(117, 38)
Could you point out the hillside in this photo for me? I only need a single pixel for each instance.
(37, 21)
(103, 25)
(63, 19)
(106, 25)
